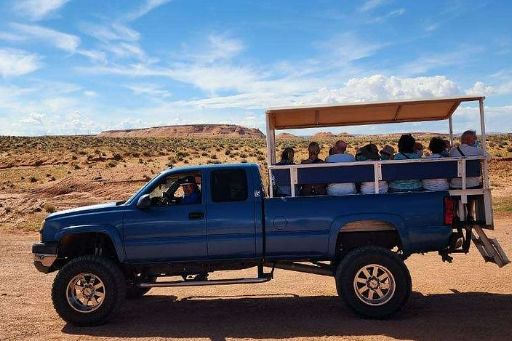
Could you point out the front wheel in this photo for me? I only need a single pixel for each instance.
(88, 290)
(374, 282)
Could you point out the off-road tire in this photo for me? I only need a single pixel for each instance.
(114, 284)
(356, 260)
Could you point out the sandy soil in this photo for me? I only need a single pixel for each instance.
(468, 299)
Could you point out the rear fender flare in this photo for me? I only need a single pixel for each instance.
(338, 224)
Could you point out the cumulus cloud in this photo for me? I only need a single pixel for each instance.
(379, 87)
(38, 9)
(15, 62)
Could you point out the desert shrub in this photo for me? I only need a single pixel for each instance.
(213, 156)
(49, 208)
(77, 167)
(38, 163)
(509, 149)
(74, 157)
(33, 179)
(112, 163)
(117, 157)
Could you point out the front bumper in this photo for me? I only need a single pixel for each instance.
(45, 255)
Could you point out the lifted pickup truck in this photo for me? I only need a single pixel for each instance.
(191, 221)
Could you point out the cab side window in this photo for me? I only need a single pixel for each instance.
(229, 185)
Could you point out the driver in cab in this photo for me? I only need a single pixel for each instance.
(192, 195)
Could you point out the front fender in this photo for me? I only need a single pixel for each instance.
(341, 221)
(110, 231)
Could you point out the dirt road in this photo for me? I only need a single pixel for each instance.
(468, 299)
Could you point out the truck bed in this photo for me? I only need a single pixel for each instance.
(296, 227)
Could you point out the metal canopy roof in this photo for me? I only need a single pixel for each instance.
(364, 113)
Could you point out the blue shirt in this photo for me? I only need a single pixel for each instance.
(193, 198)
(340, 158)
(406, 185)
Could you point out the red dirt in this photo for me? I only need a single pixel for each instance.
(468, 299)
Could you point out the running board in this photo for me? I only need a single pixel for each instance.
(490, 249)
(322, 270)
(192, 283)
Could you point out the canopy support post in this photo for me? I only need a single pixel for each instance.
(450, 124)
(271, 154)
(485, 167)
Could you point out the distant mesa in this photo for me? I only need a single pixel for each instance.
(190, 130)
(286, 136)
(323, 135)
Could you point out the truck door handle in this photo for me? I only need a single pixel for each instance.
(195, 215)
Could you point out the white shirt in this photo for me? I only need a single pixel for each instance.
(435, 184)
(468, 151)
(341, 188)
(369, 187)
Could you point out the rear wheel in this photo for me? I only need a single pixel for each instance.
(374, 282)
(88, 290)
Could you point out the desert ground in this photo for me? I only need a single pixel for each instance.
(468, 299)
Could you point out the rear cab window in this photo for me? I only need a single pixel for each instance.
(228, 185)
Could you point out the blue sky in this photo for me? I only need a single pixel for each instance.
(80, 66)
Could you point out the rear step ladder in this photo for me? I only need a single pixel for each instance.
(490, 249)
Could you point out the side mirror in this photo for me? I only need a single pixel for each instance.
(144, 202)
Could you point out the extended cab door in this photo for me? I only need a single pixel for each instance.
(231, 222)
(173, 227)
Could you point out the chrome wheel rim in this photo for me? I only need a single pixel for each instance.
(85, 292)
(374, 284)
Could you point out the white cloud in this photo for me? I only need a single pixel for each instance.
(15, 62)
(63, 41)
(348, 47)
(144, 9)
(379, 87)
(150, 90)
(370, 5)
(458, 57)
(392, 14)
(90, 93)
(38, 9)
(480, 88)
(110, 32)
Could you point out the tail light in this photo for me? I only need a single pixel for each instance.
(449, 210)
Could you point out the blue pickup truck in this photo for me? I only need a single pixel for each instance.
(190, 221)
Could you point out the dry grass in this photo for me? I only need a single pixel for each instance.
(39, 174)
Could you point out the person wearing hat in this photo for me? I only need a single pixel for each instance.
(192, 195)
(387, 153)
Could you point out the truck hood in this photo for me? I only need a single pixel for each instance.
(109, 214)
(82, 210)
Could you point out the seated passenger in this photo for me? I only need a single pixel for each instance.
(340, 155)
(287, 156)
(370, 152)
(405, 152)
(387, 153)
(418, 149)
(468, 147)
(436, 146)
(313, 189)
(286, 159)
(446, 149)
(192, 195)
